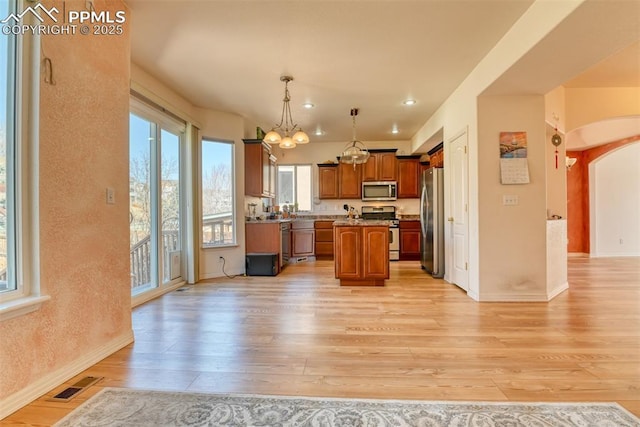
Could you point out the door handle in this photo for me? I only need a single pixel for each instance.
(450, 219)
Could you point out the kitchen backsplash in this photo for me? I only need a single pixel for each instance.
(404, 207)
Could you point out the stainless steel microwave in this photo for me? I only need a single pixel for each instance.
(375, 191)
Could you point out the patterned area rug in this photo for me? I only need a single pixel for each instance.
(126, 407)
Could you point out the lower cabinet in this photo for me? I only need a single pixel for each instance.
(361, 255)
(410, 237)
(324, 239)
(302, 238)
(264, 237)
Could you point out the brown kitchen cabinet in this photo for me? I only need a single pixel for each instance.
(260, 169)
(361, 254)
(410, 237)
(408, 177)
(264, 237)
(436, 156)
(381, 166)
(328, 181)
(324, 239)
(303, 237)
(349, 181)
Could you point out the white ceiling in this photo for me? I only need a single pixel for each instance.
(229, 56)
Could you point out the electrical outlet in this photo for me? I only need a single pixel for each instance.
(509, 200)
(111, 196)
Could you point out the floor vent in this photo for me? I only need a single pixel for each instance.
(70, 392)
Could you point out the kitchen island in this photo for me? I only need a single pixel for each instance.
(361, 250)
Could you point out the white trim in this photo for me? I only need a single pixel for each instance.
(152, 96)
(155, 293)
(20, 306)
(557, 290)
(52, 380)
(508, 297)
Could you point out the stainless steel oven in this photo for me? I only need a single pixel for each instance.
(394, 241)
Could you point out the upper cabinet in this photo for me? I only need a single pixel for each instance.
(408, 177)
(436, 156)
(349, 181)
(339, 181)
(344, 181)
(328, 181)
(381, 166)
(259, 169)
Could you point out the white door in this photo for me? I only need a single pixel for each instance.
(459, 210)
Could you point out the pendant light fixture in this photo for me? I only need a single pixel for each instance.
(355, 152)
(286, 124)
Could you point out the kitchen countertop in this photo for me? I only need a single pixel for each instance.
(361, 222)
(320, 218)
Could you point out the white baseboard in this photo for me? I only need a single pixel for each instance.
(52, 380)
(507, 297)
(557, 291)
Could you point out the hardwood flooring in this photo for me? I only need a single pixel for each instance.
(416, 338)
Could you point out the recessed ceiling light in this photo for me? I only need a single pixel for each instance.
(318, 132)
(409, 102)
(308, 105)
(395, 130)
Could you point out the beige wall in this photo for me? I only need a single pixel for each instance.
(512, 238)
(84, 245)
(588, 105)
(548, 33)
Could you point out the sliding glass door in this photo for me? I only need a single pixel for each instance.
(155, 186)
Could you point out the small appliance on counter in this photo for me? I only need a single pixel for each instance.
(387, 213)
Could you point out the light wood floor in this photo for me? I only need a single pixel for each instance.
(416, 338)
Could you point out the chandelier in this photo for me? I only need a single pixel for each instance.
(286, 124)
(355, 152)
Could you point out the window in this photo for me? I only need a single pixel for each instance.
(19, 290)
(294, 186)
(218, 195)
(156, 143)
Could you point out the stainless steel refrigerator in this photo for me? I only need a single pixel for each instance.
(432, 221)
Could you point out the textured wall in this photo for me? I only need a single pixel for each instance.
(84, 243)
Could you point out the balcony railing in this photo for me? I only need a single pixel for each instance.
(141, 258)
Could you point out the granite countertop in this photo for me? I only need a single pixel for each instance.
(341, 218)
(362, 222)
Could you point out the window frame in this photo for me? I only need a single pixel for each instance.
(162, 120)
(295, 183)
(234, 197)
(22, 178)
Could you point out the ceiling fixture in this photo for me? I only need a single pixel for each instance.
(308, 105)
(286, 124)
(409, 102)
(355, 152)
